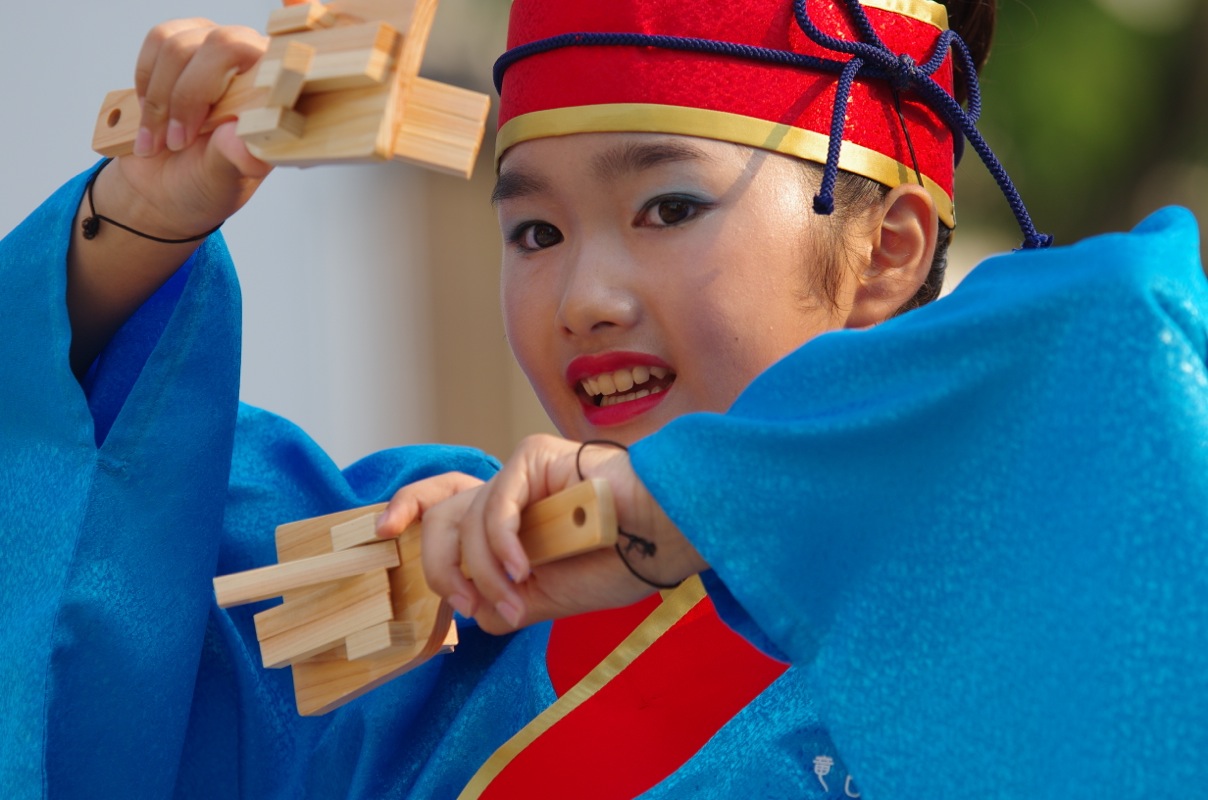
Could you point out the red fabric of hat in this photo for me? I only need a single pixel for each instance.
(783, 108)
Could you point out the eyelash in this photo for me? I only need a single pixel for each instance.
(695, 207)
(520, 232)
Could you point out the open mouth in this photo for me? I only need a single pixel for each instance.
(626, 385)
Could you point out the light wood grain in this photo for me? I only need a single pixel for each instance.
(275, 580)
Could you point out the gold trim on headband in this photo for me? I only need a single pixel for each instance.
(675, 605)
(922, 10)
(721, 125)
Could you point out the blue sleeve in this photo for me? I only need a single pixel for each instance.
(123, 499)
(111, 526)
(982, 524)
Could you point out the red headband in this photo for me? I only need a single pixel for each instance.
(601, 86)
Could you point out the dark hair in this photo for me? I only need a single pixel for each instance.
(974, 20)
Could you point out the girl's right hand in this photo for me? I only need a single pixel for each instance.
(181, 182)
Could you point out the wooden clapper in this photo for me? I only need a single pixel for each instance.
(357, 610)
(339, 82)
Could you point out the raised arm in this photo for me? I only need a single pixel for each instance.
(177, 186)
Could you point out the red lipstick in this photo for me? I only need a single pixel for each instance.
(591, 366)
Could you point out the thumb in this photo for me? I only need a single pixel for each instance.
(235, 152)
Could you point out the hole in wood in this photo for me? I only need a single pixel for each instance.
(580, 517)
(115, 116)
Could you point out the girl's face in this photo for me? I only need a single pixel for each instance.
(648, 276)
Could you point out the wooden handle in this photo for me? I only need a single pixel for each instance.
(576, 520)
(118, 121)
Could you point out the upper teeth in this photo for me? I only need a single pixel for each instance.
(621, 381)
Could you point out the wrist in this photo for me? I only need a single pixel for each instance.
(111, 198)
(649, 543)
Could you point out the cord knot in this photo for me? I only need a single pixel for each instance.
(905, 72)
(871, 56)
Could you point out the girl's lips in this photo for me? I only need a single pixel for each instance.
(619, 414)
(590, 368)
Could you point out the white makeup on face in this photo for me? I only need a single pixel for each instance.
(649, 276)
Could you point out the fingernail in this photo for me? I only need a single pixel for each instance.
(461, 605)
(508, 612)
(515, 572)
(142, 142)
(176, 136)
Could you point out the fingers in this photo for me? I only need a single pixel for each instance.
(411, 502)
(164, 55)
(229, 154)
(473, 556)
(485, 534)
(510, 491)
(184, 67)
(441, 553)
(488, 547)
(459, 564)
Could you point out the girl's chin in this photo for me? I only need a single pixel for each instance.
(626, 431)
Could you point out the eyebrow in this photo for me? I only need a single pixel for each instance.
(617, 162)
(516, 183)
(634, 157)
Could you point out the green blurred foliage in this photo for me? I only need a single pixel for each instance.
(1097, 120)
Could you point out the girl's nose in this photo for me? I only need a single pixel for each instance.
(599, 293)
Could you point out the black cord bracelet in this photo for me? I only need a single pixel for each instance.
(644, 547)
(92, 223)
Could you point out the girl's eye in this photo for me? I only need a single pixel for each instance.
(536, 236)
(663, 212)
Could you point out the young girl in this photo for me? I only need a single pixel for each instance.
(980, 524)
(661, 231)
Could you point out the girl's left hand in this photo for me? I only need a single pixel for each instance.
(477, 530)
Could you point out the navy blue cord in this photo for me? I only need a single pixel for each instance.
(824, 201)
(870, 57)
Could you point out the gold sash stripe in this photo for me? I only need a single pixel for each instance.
(675, 605)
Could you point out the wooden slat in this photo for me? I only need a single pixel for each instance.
(277, 579)
(362, 530)
(292, 71)
(312, 537)
(266, 127)
(442, 127)
(380, 639)
(317, 602)
(325, 632)
(347, 57)
(302, 17)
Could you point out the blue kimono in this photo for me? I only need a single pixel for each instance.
(984, 524)
(125, 497)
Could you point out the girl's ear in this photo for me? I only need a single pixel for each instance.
(902, 246)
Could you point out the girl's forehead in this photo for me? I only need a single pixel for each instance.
(567, 166)
(537, 165)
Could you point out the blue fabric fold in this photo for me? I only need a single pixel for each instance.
(982, 524)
